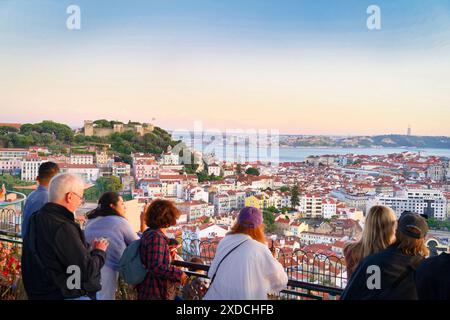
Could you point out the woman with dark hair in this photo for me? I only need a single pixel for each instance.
(243, 267)
(108, 221)
(155, 253)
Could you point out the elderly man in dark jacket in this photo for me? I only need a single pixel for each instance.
(56, 261)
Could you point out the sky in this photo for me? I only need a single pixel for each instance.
(297, 66)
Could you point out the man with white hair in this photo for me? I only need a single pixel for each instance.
(56, 261)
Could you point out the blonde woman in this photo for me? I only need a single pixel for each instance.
(378, 234)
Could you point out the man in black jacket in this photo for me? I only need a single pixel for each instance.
(56, 261)
(389, 274)
(433, 278)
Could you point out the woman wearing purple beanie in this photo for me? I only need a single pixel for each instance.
(243, 267)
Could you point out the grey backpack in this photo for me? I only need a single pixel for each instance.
(131, 268)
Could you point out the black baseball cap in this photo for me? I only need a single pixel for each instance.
(413, 225)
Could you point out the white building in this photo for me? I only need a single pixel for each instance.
(262, 182)
(228, 171)
(311, 205)
(328, 208)
(227, 201)
(436, 172)
(212, 231)
(214, 169)
(81, 159)
(312, 238)
(195, 209)
(145, 169)
(11, 165)
(353, 200)
(88, 172)
(170, 158)
(174, 185)
(196, 193)
(120, 169)
(30, 167)
(141, 156)
(8, 153)
(101, 158)
(422, 201)
(221, 203)
(151, 187)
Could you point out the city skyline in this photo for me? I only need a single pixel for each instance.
(299, 67)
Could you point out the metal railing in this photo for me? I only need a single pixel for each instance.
(311, 275)
(295, 290)
(11, 214)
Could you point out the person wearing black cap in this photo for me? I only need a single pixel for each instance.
(389, 274)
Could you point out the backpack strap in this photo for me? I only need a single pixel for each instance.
(215, 273)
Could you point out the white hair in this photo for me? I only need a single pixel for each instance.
(64, 183)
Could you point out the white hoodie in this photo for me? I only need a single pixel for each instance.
(249, 273)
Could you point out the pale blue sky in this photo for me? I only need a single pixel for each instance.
(297, 66)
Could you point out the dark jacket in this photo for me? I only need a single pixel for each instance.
(433, 278)
(53, 243)
(396, 272)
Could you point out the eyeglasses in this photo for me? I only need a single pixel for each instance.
(81, 198)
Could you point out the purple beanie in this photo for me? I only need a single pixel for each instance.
(250, 217)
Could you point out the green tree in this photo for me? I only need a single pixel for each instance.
(7, 129)
(295, 200)
(26, 128)
(11, 181)
(92, 194)
(103, 123)
(269, 221)
(62, 132)
(206, 220)
(252, 171)
(202, 176)
(284, 189)
(105, 184)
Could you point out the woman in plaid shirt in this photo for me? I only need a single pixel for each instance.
(155, 254)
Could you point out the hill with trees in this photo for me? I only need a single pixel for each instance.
(59, 138)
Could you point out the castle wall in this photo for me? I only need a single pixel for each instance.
(102, 132)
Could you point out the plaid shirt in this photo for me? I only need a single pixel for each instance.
(155, 256)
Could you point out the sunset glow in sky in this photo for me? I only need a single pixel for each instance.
(302, 67)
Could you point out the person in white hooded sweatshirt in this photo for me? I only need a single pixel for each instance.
(243, 267)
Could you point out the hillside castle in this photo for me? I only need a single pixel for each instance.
(91, 130)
